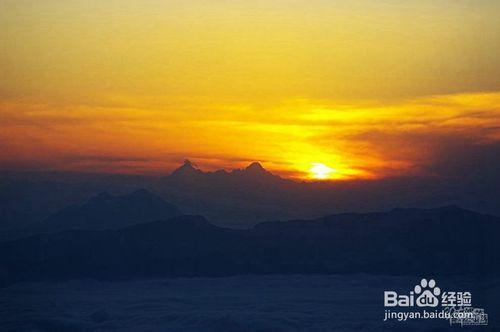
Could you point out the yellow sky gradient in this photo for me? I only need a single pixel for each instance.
(369, 88)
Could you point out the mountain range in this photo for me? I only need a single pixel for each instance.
(239, 198)
(440, 241)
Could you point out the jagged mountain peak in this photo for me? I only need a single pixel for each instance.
(187, 168)
(253, 174)
(255, 167)
(188, 163)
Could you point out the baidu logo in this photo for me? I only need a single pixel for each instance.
(422, 300)
(425, 294)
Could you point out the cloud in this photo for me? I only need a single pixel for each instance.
(410, 136)
(359, 140)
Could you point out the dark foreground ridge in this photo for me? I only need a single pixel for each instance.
(446, 240)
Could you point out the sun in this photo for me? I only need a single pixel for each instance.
(320, 171)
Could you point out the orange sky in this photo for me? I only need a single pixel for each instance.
(370, 90)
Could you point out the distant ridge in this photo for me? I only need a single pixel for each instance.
(433, 242)
(188, 171)
(240, 198)
(105, 211)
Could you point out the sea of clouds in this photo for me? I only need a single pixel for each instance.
(241, 303)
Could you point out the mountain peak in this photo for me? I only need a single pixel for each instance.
(255, 167)
(188, 165)
(187, 168)
(190, 173)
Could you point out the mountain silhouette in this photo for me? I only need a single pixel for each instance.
(105, 211)
(254, 172)
(187, 171)
(440, 241)
(237, 198)
(255, 168)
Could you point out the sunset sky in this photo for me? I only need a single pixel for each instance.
(370, 89)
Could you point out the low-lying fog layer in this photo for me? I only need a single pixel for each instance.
(242, 303)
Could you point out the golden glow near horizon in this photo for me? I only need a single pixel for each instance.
(371, 88)
(320, 171)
